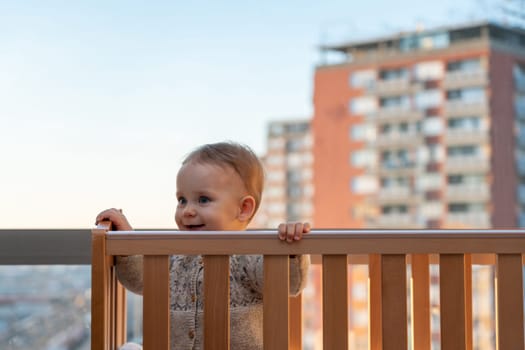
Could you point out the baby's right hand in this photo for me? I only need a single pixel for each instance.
(115, 216)
(293, 231)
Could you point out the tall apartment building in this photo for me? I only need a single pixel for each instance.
(288, 192)
(288, 196)
(422, 129)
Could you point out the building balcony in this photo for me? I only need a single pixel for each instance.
(396, 195)
(397, 114)
(467, 164)
(399, 140)
(401, 86)
(396, 167)
(462, 79)
(461, 137)
(463, 109)
(393, 319)
(478, 220)
(468, 193)
(396, 221)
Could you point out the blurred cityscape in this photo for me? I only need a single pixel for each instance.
(422, 129)
(45, 307)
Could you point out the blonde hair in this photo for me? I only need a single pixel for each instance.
(237, 156)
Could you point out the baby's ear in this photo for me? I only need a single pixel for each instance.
(246, 208)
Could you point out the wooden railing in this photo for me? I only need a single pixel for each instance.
(387, 252)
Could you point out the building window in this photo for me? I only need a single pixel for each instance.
(394, 209)
(363, 158)
(459, 179)
(396, 159)
(428, 99)
(424, 41)
(433, 70)
(294, 191)
(275, 176)
(297, 128)
(363, 78)
(394, 182)
(431, 209)
(429, 181)
(432, 126)
(467, 150)
(519, 103)
(395, 102)
(464, 123)
(468, 65)
(363, 105)
(274, 192)
(276, 143)
(519, 77)
(276, 129)
(275, 160)
(467, 95)
(394, 74)
(293, 176)
(364, 184)
(466, 208)
(363, 132)
(294, 145)
(458, 207)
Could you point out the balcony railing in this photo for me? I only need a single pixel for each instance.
(389, 253)
(52, 246)
(460, 79)
(465, 108)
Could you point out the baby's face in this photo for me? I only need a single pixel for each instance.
(209, 198)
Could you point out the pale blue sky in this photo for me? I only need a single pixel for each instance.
(100, 100)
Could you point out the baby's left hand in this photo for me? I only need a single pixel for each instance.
(293, 231)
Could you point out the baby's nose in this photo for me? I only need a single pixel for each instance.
(189, 210)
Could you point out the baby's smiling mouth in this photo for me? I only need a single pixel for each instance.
(194, 227)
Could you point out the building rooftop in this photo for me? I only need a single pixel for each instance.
(434, 38)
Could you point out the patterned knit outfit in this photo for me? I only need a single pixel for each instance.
(186, 297)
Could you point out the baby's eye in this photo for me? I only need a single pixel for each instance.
(182, 200)
(204, 200)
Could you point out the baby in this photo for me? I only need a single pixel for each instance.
(219, 188)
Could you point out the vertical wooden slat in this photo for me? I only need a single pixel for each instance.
(509, 306)
(121, 315)
(156, 302)
(335, 302)
(296, 322)
(468, 302)
(394, 301)
(99, 291)
(217, 302)
(452, 300)
(421, 302)
(375, 336)
(112, 303)
(275, 308)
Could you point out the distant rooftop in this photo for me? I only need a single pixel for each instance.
(435, 38)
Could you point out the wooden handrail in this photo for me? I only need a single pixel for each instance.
(317, 242)
(389, 253)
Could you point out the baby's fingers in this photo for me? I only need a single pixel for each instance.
(300, 230)
(293, 231)
(282, 231)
